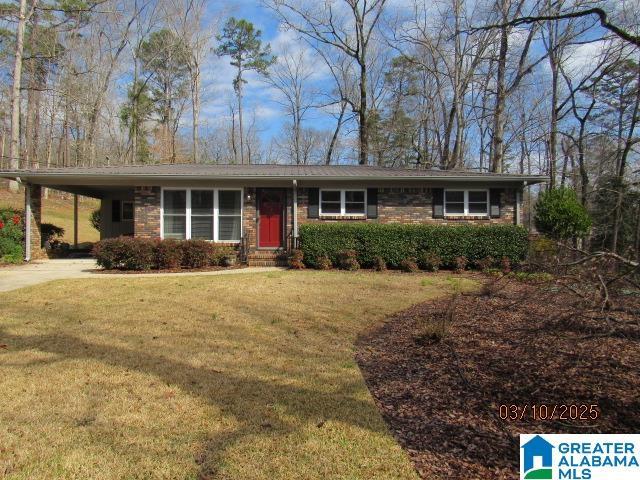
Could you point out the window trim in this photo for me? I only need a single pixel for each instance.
(215, 212)
(466, 202)
(342, 202)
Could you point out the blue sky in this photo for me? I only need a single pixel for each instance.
(260, 99)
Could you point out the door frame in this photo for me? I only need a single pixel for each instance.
(259, 192)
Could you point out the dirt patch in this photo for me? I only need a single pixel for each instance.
(519, 347)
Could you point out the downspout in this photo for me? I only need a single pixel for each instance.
(295, 213)
(27, 222)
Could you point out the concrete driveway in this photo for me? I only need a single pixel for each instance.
(12, 278)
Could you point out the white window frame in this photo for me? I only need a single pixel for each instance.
(215, 211)
(343, 202)
(466, 203)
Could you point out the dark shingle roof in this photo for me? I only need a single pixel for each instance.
(266, 171)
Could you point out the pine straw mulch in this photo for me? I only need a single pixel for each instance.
(521, 345)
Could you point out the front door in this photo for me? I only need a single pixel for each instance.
(271, 204)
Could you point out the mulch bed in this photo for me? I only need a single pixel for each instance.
(175, 270)
(521, 345)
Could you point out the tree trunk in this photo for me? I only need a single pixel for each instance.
(362, 115)
(497, 144)
(628, 143)
(195, 100)
(14, 149)
(336, 132)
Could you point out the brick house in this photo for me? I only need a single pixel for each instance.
(259, 207)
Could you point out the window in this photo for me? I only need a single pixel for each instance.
(202, 214)
(229, 215)
(175, 214)
(466, 202)
(343, 202)
(127, 211)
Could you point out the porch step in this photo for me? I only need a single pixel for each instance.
(267, 258)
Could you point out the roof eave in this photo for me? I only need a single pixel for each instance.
(30, 176)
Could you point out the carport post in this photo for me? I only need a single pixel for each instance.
(27, 222)
(75, 221)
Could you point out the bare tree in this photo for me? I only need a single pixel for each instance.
(291, 76)
(347, 25)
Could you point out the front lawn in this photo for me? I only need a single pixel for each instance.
(241, 376)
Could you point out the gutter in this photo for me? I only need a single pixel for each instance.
(103, 177)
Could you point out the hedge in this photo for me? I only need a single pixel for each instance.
(396, 242)
(129, 253)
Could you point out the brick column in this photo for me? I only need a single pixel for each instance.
(33, 222)
(249, 218)
(147, 212)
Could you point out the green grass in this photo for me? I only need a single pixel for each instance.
(233, 377)
(59, 211)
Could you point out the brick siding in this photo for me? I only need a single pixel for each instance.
(147, 212)
(395, 205)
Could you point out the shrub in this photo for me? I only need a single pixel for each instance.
(126, 253)
(379, 264)
(347, 260)
(169, 254)
(431, 262)
(49, 233)
(560, 215)
(409, 265)
(505, 265)
(324, 263)
(485, 263)
(296, 259)
(11, 235)
(198, 254)
(460, 264)
(10, 251)
(94, 219)
(394, 243)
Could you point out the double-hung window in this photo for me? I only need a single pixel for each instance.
(343, 202)
(466, 202)
(203, 214)
(229, 215)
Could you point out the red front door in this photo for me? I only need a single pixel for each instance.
(271, 221)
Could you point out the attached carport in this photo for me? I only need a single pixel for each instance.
(116, 205)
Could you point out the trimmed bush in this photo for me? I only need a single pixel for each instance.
(379, 264)
(485, 263)
(409, 265)
(505, 265)
(347, 260)
(324, 263)
(296, 260)
(128, 253)
(198, 254)
(169, 254)
(460, 264)
(396, 242)
(431, 262)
